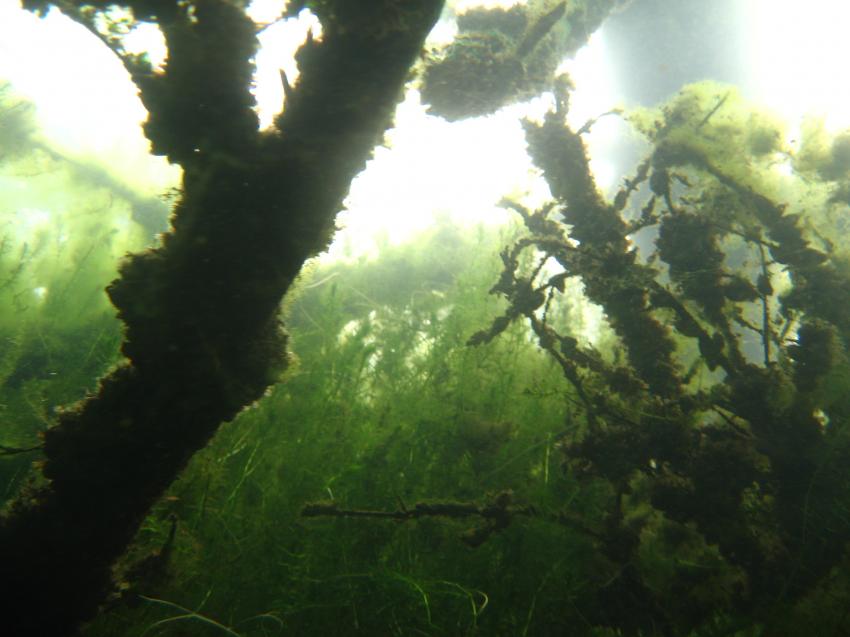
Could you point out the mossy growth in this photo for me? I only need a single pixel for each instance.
(726, 417)
(478, 75)
(822, 154)
(718, 121)
(502, 56)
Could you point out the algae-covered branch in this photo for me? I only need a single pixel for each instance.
(202, 335)
(714, 409)
(502, 56)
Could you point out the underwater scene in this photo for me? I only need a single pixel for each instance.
(424, 317)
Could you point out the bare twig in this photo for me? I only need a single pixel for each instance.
(185, 615)
(497, 514)
(720, 103)
(5, 450)
(589, 123)
(765, 290)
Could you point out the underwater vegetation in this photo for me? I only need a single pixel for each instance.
(440, 460)
(621, 415)
(63, 228)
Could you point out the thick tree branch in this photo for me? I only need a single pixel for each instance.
(202, 335)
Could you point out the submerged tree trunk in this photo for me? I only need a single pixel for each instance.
(202, 334)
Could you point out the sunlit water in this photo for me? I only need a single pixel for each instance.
(786, 54)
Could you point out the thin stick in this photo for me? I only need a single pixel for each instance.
(187, 615)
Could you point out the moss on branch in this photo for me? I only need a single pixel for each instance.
(202, 335)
